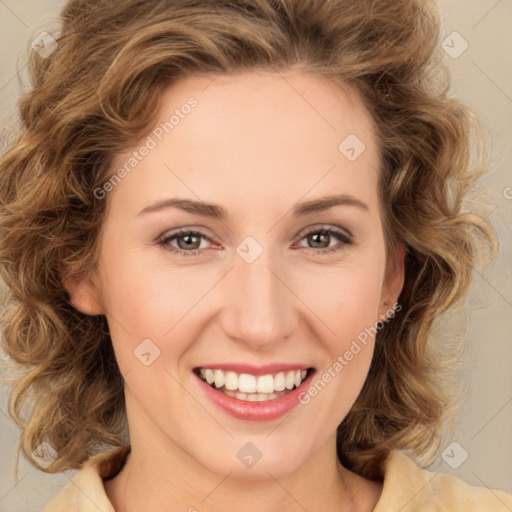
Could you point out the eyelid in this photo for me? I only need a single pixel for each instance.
(200, 231)
(335, 231)
(302, 233)
(327, 227)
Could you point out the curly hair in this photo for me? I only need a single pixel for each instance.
(94, 97)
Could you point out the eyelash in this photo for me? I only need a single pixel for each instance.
(345, 238)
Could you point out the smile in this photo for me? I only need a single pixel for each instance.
(253, 388)
(253, 394)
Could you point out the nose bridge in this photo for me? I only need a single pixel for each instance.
(261, 307)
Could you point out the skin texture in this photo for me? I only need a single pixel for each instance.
(256, 143)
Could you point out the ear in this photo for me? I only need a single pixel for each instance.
(84, 293)
(393, 280)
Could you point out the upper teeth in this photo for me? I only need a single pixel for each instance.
(247, 383)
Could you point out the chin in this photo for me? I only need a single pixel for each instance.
(257, 458)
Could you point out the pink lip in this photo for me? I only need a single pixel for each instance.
(255, 411)
(256, 370)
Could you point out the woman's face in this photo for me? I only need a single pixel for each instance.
(253, 292)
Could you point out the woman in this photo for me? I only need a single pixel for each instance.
(185, 342)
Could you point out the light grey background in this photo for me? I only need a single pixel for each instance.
(482, 78)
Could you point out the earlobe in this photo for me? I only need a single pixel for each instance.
(84, 294)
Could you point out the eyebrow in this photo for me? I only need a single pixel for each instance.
(218, 212)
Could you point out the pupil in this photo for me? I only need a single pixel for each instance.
(317, 235)
(188, 237)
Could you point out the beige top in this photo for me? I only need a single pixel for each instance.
(407, 488)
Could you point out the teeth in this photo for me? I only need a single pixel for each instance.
(265, 384)
(251, 397)
(231, 381)
(280, 382)
(219, 378)
(290, 380)
(209, 375)
(247, 384)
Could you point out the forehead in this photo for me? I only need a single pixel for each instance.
(261, 136)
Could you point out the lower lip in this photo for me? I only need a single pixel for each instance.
(255, 411)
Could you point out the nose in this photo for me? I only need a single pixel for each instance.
(260, 308)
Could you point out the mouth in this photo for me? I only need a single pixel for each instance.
(249, 387)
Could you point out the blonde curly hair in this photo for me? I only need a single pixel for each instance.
(95, 96)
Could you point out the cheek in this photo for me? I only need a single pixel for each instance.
(147, 300)
(345, 299)
(346, 302)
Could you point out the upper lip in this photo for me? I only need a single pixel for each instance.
(256, 370)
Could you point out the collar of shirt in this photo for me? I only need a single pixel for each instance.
(406, 488)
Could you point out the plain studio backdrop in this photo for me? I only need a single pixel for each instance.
(477, 39)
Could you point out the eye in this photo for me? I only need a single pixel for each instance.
(320, 237)
(189, 242)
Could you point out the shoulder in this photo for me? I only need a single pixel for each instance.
(408, 488)
(86, 492)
